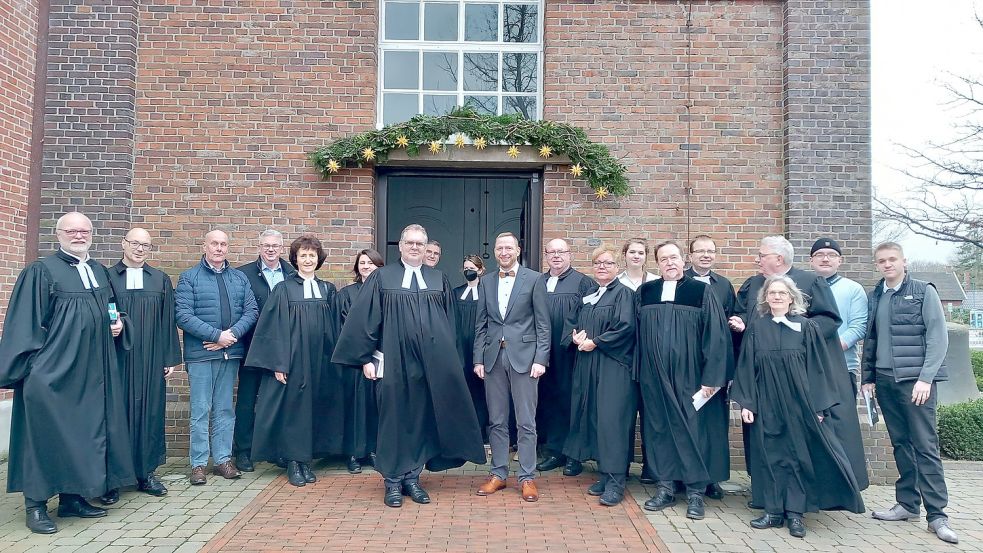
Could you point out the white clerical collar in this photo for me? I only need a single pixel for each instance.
(134, 278)
(311, 289)
(471, 291)
(409, 272)
(593, 298)
(782, 319)
(85, 272)
(669, 290)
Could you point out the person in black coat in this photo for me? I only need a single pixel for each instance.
(267, 271)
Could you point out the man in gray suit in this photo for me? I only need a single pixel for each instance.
(512, 339)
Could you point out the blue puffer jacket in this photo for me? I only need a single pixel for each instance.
(199, 312)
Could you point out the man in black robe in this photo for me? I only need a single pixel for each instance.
(683, 345)
(268, 270)
(565, 290)
(68, 428)
(775, 258)
(146, 295)
(404, 314)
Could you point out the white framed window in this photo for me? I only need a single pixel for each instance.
(438, 54)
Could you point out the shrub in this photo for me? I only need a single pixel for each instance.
(977, 358)
(961, 430)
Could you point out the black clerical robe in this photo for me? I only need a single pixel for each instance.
(555, 386)
(822, 309)
(68, 426)
(798, 464)
(360, 431)
(604, 390)
(464, 317)
(425, 411)
(305, 417)
(682, 345)
(155, 345)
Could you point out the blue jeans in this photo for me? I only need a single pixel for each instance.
(211, 385)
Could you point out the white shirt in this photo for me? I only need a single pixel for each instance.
(669, 290)
(134, 278)
(85, 272)
(551, 283)
(702, 278)
(311, 289)
(409, 272)
(505, 288)
(627, 281)
(470, 291)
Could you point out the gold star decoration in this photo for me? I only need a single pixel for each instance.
(402, 141)
(368, 154)
(480, 143)
(333, 166)
(576, 170)
(435, 146)
(545, 151)
(513, 152)
(459, 141)
(601, 193)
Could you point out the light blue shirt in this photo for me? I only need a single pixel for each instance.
(851, 302)
(272, 276)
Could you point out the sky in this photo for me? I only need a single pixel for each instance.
(915, 46)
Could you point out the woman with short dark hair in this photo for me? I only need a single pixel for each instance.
(296, 335)
(466, 302)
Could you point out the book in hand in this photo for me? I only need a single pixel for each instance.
(699, 401)
(379, 362)
(872, 416)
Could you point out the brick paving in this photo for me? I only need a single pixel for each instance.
(261, 512)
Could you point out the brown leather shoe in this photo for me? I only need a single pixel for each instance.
(529, 491)
(491, 486)
(227, 470)
(198, 476)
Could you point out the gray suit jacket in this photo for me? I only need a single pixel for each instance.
(525, 328)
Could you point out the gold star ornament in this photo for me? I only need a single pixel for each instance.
(576, 170)
(368, 154)
(459, 141)
(545, 151)
(601, 193)
(513, 152)
(480, 143)
(435, 147)
(402, 141)
(333, 166)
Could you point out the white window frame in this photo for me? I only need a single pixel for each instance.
(459, 48)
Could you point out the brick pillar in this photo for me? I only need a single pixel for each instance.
(89, 119)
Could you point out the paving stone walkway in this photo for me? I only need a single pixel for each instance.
(261, 512)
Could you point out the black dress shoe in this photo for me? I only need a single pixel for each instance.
(280, 462)
(661, 500)
(752, 505)
(416, 493)
(354, 467)
(596, 489)
(294, 475)
(611, 497)
(309, 476)
(39, 522)
(796, 528)
(551, 462)
(109, 498)
(244, 463)
(394, 498)
(152, 486)
(79, 507)
(714, 491)
(573, 467)
(695, 509)
(768, 521)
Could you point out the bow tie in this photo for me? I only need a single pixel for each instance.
(503, 274)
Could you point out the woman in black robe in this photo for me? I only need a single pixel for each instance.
(466, 299)
(782, 385)
(295, 418)
(603, 403)
(360, 397)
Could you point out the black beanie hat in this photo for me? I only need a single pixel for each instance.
(825, 243)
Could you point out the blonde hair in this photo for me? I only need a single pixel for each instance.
(799, 301)
(598, 251)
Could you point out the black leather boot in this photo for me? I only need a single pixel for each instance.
(294, 474)
(39, 522)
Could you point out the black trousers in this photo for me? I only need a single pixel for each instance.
(246, 394)
(916, 446)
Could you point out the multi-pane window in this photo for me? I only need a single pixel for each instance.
(438, 54)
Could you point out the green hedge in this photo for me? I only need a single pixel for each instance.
(961, 430)
(977, 357)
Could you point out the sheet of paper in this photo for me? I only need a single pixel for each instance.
(872, 415)
(698, 399)
(379, 360)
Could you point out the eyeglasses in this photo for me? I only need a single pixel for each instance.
(607, 264)
(703, 252)
(818, 255)
(413, 244)
(764, 255)
(79, 232)
(670, 258)
(271, 247)
(778, 293)
(140, 245)
(554, 253)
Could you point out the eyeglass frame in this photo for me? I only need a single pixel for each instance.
(139, 245)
